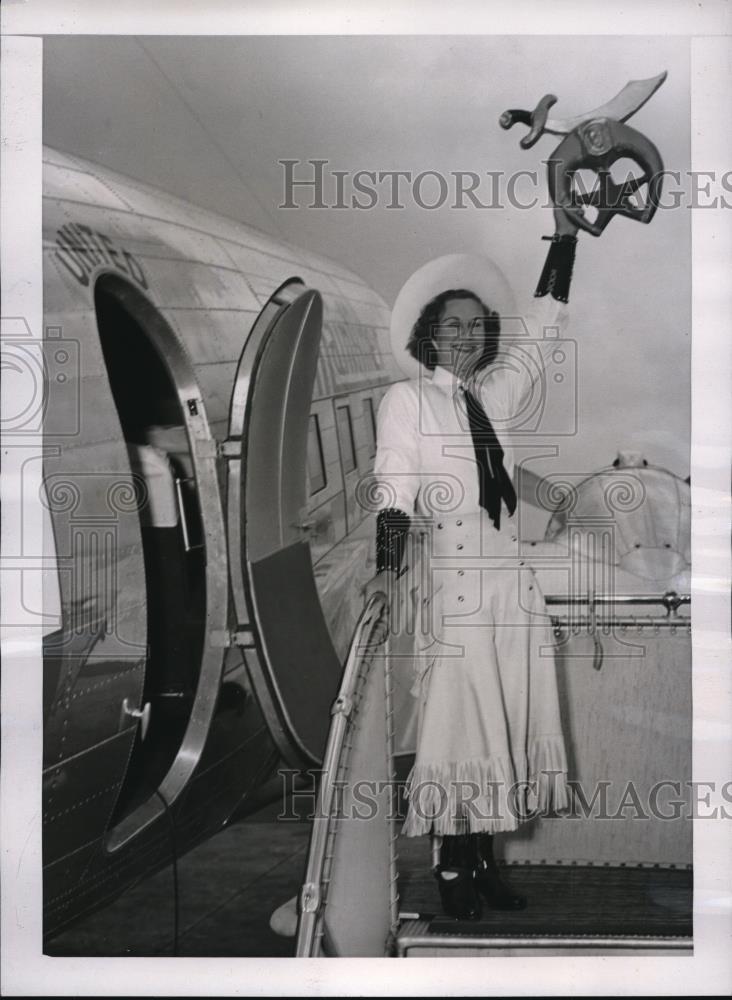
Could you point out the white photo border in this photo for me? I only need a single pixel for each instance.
(25, 971)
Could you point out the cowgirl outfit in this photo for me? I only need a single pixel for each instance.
(490, 751)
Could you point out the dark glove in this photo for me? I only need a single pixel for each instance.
(392, 526)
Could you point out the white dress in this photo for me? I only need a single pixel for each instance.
(490, 750)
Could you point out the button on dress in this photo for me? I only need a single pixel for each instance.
(490, 750)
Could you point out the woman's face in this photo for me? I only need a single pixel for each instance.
(459, 338)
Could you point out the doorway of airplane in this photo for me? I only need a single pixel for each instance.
(161, 415)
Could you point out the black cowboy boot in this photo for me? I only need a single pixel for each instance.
(455, 878)
(497, 894)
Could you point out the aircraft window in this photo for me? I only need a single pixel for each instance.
(345, 438)
(316, 465)
(369, 420)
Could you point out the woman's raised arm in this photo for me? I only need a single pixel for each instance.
(505, 386)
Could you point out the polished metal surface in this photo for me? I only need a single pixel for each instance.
(231, 449)
(670, 599)
(266, 496)
(203, 453)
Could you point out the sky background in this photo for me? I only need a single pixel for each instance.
(208, 119)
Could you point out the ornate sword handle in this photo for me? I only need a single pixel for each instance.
(536, 120)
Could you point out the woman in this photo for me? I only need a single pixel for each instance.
(490, 752)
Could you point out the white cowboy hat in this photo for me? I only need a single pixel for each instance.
(455, 270)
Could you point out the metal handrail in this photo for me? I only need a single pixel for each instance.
(670, 599)
(312, 898)
(593, 623)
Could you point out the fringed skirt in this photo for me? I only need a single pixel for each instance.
(490, 751)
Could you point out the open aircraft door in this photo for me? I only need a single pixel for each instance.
(280, 626)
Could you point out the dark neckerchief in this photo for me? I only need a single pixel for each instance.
(493, 479)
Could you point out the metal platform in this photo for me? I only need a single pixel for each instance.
(419, 939)
(573, 909)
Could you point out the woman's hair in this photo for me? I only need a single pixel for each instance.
(420, 344)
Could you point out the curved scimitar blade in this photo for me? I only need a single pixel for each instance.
(632, 97)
